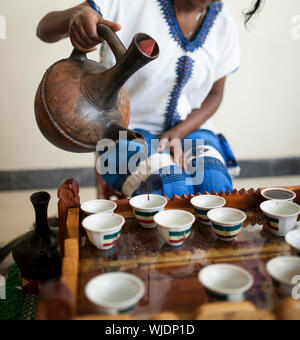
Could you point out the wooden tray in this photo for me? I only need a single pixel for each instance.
(169, 273)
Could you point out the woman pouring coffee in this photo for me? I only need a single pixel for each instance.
(173, 98)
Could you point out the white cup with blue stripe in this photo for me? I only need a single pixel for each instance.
(204, 203)
(145, 209)
(227, 222)
(175, 226)
(281, 216)
(103, 230)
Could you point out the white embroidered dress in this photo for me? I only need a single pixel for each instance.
(166, 91)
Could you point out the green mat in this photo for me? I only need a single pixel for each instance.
(18, 304)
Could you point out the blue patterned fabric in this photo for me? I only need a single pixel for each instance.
(96, 8)
(184, 71)
(214, 172)
(175, 31)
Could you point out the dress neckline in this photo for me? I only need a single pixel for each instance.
(175, 31)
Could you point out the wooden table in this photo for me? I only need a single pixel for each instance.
(170, 273)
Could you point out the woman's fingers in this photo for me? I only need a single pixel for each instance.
(89, 43)
(78, 42)
(162, 144)
(90, 29)
(83, 29)
(176, 149)
(113, 25)
(175, 146)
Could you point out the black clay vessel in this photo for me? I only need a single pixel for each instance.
(37, 253)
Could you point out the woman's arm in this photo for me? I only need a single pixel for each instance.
(197, 118)
(79, 23)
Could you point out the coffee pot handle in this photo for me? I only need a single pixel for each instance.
(110, 37)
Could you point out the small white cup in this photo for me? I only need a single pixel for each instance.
(282, 270)
(289, 194)
(226, 282)
(293, 240)
(145, 210)
(115, 293)
(204, 203)
(98, 207)
(227, 222)
(174, 226)
(103, 230)
(281, 216)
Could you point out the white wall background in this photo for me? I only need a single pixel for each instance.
(261, 110)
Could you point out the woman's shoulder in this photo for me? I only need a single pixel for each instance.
(225, 19)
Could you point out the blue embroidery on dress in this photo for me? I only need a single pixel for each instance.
(96, 8)
(170, 17)
(184, 72)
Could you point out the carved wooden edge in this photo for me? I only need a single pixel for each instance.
(70, 262)
(68, 195)
(242, 199)
(232, 311)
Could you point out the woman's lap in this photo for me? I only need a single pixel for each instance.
(207, 170)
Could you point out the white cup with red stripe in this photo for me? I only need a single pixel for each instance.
(145, 208)
(204, 203)
(281, 216)
(103, 230)
(175, 226)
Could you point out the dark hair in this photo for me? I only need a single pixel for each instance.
(255, 9)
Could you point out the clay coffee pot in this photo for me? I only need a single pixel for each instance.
(79, 101)
(37, 253)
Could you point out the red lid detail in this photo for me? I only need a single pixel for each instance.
(147, 46)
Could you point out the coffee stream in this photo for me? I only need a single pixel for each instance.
(148, 170)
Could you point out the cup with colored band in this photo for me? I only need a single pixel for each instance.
(285, 274)
(203, 204)
(293, 240)
(281, 216)
(115, 293)
(103, 230)
(227, 222)
(145, 209)
(98, 207)
(175, 226)
(278, 194)
(226, 282)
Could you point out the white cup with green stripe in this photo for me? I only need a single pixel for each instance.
(103, 230)
(281, 216)
(204, 203)
(175, 226)
(227, 222)
(145, 209)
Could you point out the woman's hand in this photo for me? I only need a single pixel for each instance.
(83, 28)
(173, 139)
